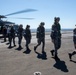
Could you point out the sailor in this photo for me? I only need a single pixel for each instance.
(20, 35)
(40, 35)
(74, 40)
(11, 37)
(27, 36)
(4, 33)
(56, 36)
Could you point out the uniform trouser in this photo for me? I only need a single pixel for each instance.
(74, 52)
(57, 44)
(19, 40)
(4, 35)
(39, 42)
(8, 36)
(10, 40)
(27, 43)
(74, 40)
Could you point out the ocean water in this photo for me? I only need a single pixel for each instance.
(49, 30)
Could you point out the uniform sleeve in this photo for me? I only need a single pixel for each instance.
(59, 27)
(52, 32)
(52, 29)
(30, 34)
(44, 32)
(59, 30)
(73, 31)
(25, 34)
(37, 33)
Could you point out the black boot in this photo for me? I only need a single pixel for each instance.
(70, 56)
(14, 45)
(34, 48)
(52, 52)
(20, 47)
(27, 48)
(56, 57)
(74, 53)
(10, 46)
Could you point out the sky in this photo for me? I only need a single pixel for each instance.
(46, 11)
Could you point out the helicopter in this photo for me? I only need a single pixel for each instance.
(8, 23)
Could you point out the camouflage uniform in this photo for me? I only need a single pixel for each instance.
(56, 36)
(27, 36)
(4, 33)
(74, 40)
(11, 36)
(20, 34)
(74, 36)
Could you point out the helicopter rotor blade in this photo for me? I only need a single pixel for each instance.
(2, 16)
(22, 11)
(21, 18)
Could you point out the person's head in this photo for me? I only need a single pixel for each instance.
(42, 24)
(28, 26)
(20, 26)
(57, 19)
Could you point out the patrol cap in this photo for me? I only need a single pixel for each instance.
(42, 23)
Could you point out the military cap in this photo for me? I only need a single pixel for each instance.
(28, 26)
(42, 23)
